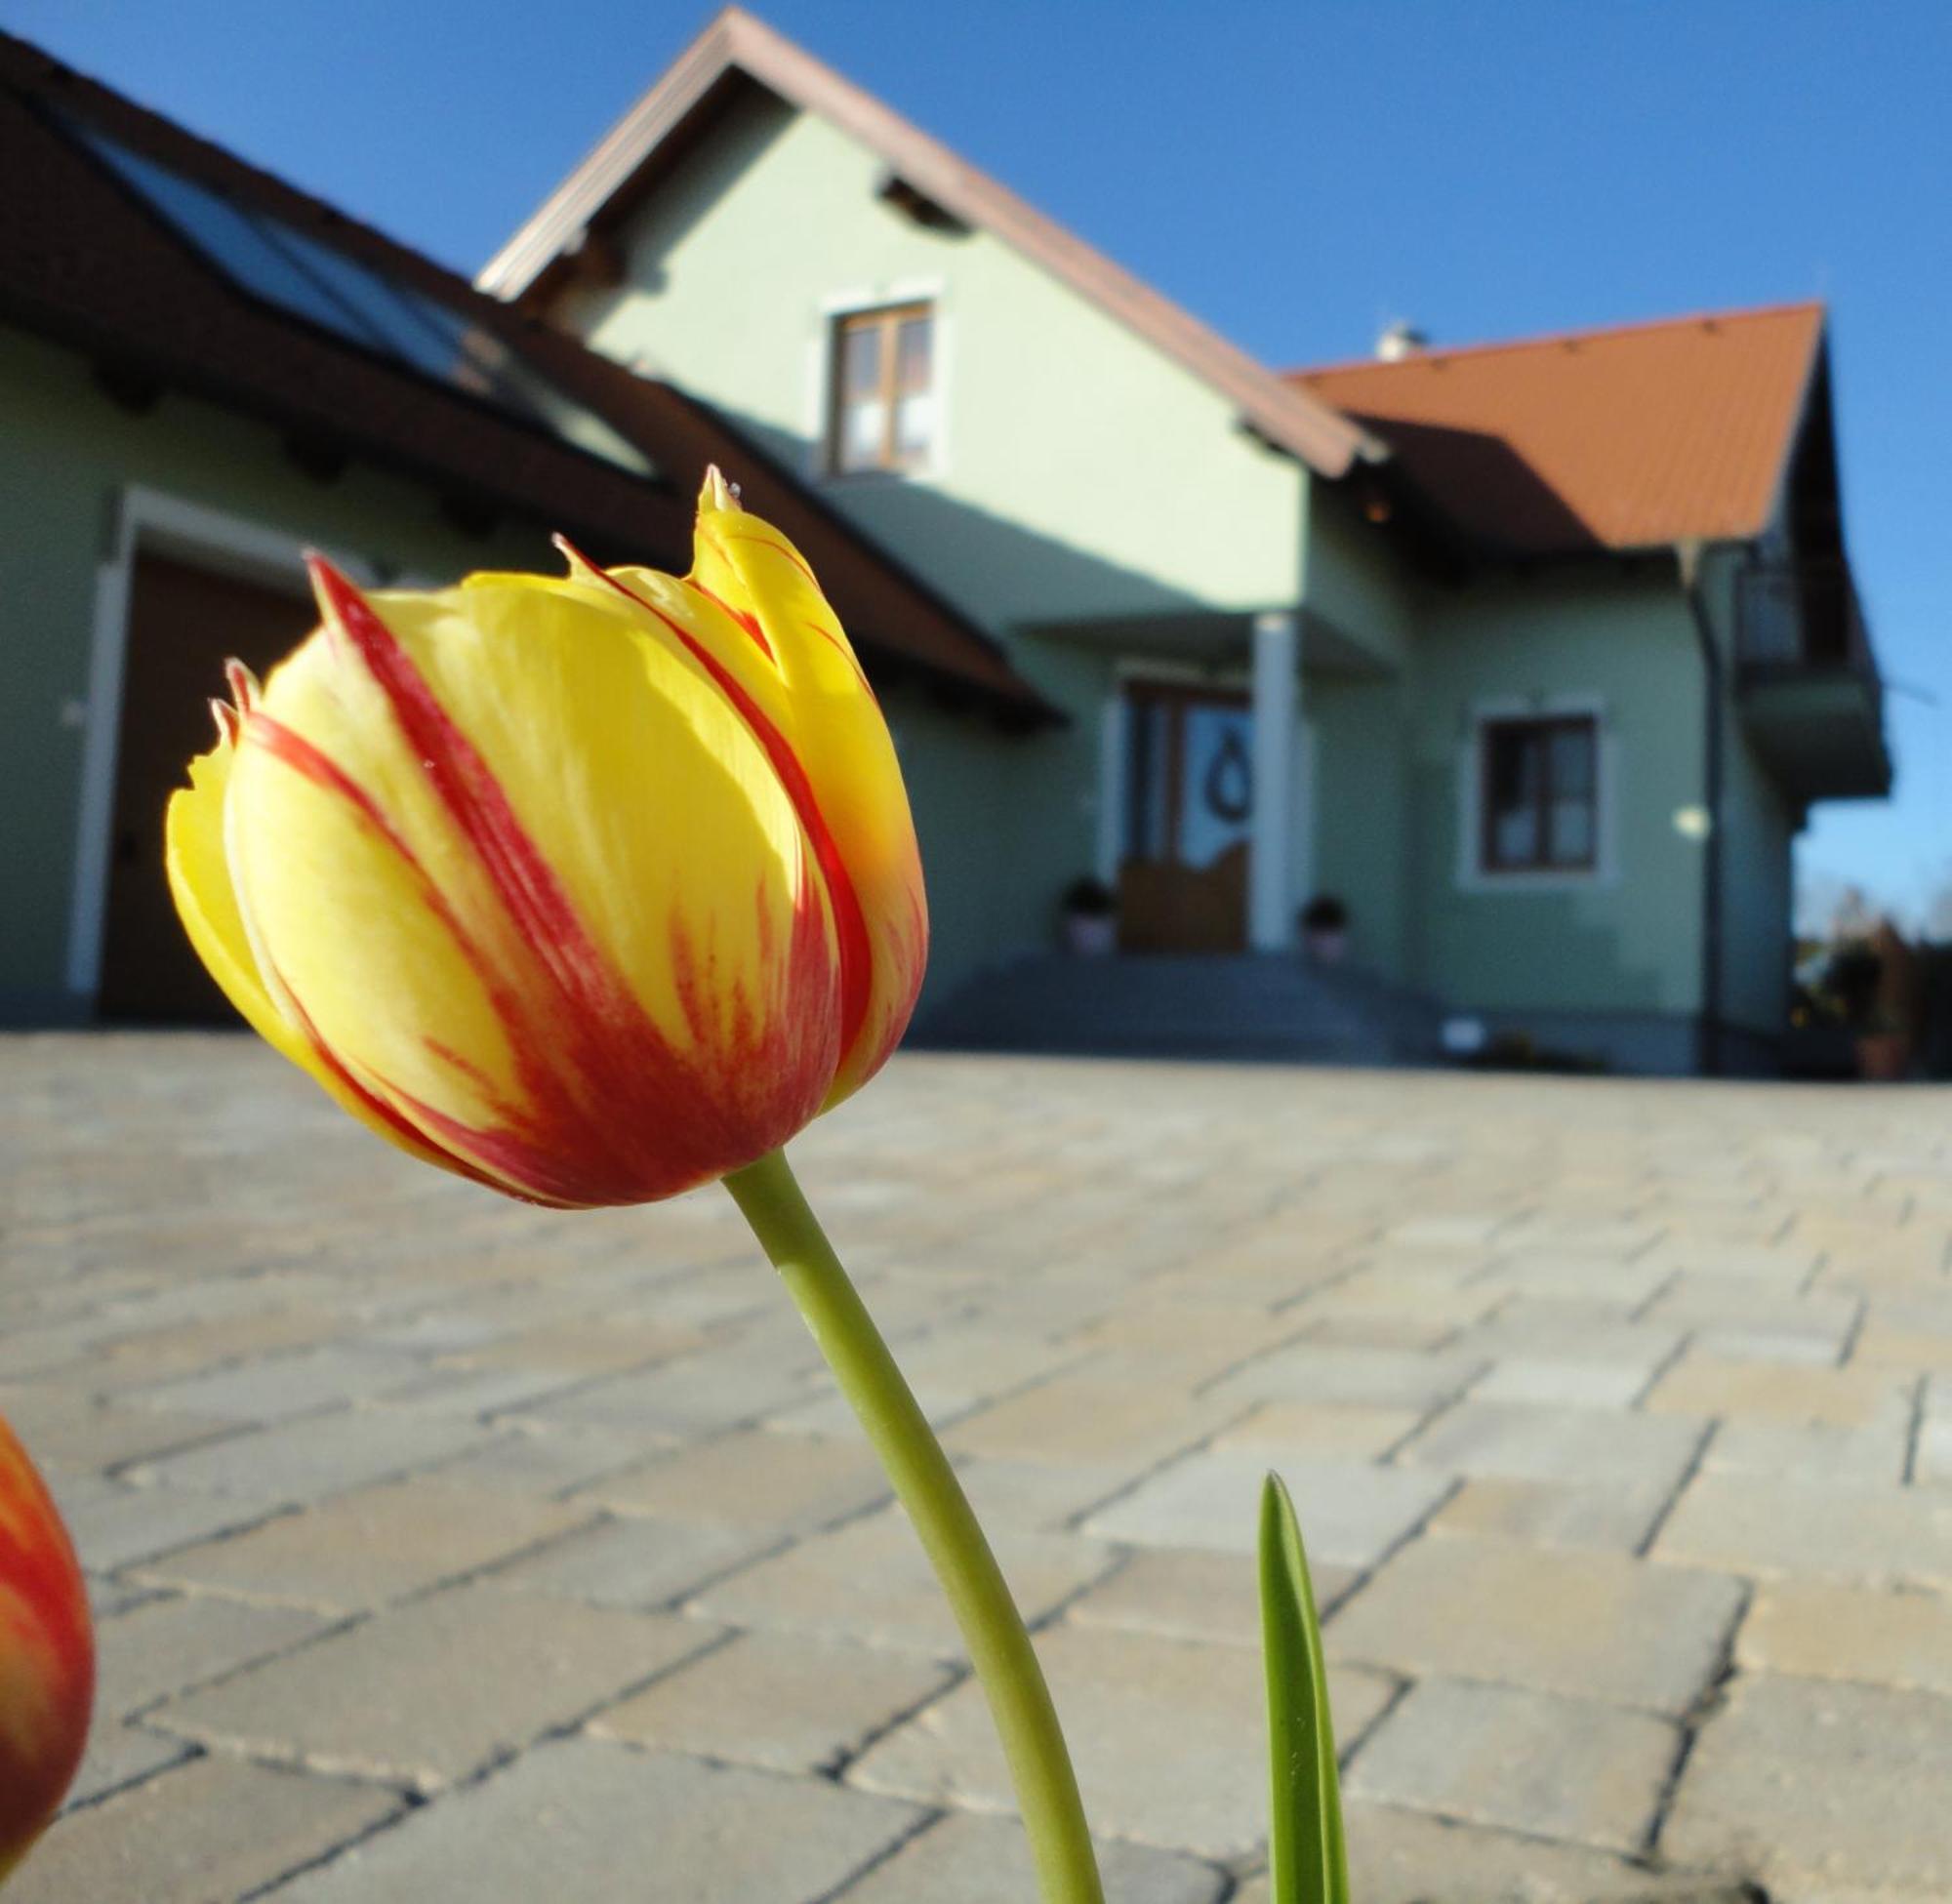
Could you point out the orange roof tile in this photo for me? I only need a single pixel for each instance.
(1616, 439)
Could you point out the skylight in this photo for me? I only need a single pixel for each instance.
(302, 275)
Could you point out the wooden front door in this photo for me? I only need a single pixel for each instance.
(1190, 796)
(183, 623)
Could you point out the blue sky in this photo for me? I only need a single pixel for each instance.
(1293, 172)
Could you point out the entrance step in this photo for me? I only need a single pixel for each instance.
(1257, 1005)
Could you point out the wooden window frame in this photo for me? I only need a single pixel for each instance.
(1491, 864)
(887, 320)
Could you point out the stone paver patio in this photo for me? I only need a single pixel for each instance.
(448, 1550)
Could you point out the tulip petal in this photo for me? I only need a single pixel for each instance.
(47, 1655)
(752, 606)
(592, 999)
(206, 902)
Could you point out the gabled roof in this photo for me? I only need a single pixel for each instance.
(90, 260)
(1617, 439)
(695, 88)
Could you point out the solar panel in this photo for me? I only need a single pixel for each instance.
(300, 274)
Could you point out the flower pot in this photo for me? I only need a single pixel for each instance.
(1326, 944)
(1090, 935)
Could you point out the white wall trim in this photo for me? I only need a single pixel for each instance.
(151, 519)
(1471, 875)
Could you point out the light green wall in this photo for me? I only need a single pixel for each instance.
(1758, 826)
(1357, 586)
(1005, 821)
(1082, 474)
(66, 456)
(1627, 942)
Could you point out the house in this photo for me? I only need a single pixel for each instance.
(202, 370)
(1532, 654)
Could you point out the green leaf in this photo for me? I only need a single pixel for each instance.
(1306, 1860)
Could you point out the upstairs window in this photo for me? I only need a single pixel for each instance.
(1540, 801)
(883, 414)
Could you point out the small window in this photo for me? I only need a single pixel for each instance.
(883, 413)
(1541, 805)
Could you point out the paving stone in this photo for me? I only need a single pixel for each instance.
(1750, 1523)
(695, 1395)
(1138, 1711)
(1409, 1857)
(1383, 1378)
(1758, 1343)
(300, 1461)
(871, 1581)
(1281, 1430)
(1932, 1463)
(1810, 1451)
(1810, 1784)
(1527, 1762)
(580, 1819)
(1077, 1418)
(535, 1459)
(1327, 1253)
(279, 1387)
(967, 1858)
(173, 1642)
(1189, 1594)
(1555, 1514)
(1562, 1384)
(119, 1753)
(204, 1834)
(1587, 1624)
(579, 1348)
(1794, 1396)
(786, 1702)
(1352, 1511)
(1517, 1442)
(1822, 1632)
(1042, 1497)
(640, 1563)
(428, 1693)
(1911, 1352)
(76, 1434)
(122, 1526)
(364, 1549)
(753, 1478)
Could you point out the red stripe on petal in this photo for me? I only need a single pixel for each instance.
(743, 617)
(850, 923)
(610, 1110)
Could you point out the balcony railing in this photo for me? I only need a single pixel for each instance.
(1801, 618)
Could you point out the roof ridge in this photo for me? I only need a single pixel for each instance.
(736, 40)
(1545, 340)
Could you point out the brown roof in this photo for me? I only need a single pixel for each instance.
(1625, 439)
(698, 83)
(85, 261)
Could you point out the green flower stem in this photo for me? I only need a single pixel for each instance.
(992, 1630)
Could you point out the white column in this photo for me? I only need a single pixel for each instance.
(1271, 900)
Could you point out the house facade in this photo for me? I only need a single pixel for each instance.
(203, 371)
(1533, 657)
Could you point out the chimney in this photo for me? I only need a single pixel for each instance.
(1400, 339)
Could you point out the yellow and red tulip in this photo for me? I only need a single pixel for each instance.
(590, 889)
(47, 1655)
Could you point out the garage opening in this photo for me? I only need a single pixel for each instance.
(183, 623)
